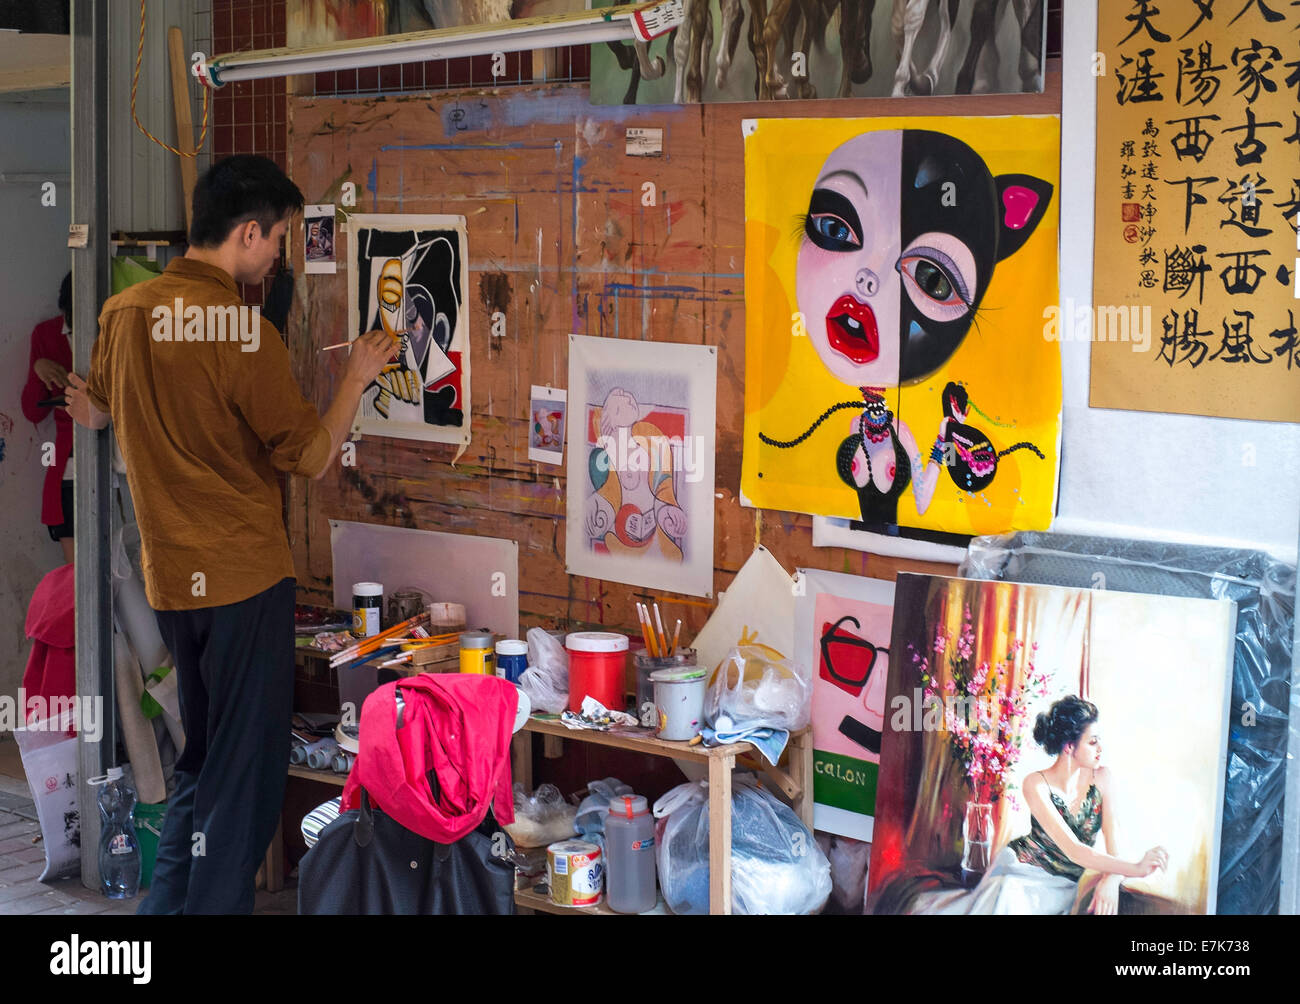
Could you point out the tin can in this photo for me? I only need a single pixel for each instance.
(575, 871)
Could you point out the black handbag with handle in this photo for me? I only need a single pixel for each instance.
(365, 862)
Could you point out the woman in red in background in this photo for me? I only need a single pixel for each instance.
(51, 359)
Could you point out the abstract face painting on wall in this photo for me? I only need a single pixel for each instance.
(641, 463)
(407, 277)
(898, 372)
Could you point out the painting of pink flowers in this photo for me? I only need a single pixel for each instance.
(1051, 750)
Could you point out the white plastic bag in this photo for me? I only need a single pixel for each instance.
(776, 865)
(757, 686)
(849, 859)
(546, 680)
(50, 759)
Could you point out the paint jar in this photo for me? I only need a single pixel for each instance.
(597, 662)
(476, 655)
(645, 689)
(575, 872)
(629, 855)
(367, 603)
(512, 659)
(404, 604)
(679, 699)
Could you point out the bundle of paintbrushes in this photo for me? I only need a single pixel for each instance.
(656, 638)
(409, 631)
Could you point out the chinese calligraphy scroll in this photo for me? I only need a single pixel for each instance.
(1198, 140)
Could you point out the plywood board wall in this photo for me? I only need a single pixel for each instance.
(562, 239)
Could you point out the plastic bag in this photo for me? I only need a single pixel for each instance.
(546, 680)
(49, 754)
(590, 820)
(849, 859)
(776, 865)
(541, 818)
(754, 686)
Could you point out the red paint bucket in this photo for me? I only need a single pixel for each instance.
(597, 662)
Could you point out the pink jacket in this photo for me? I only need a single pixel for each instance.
(51, 625)
(455, 729)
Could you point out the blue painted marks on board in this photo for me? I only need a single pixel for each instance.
(475, 147)
(666, 292)
(576, 179)
(372, 182)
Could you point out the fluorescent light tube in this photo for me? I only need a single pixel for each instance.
(640, 22)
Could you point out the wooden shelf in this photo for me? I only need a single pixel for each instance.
(637, 744)
(796, 782)
(324, 776)
(529, 899)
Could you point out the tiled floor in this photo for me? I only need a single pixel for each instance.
(22, 859)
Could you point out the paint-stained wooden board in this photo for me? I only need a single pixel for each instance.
(561, 240)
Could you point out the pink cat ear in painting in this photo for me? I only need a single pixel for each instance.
(1018, 203)
(1024, 201)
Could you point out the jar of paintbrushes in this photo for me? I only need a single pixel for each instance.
(661, 651)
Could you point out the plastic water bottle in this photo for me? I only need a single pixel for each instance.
(119, 851)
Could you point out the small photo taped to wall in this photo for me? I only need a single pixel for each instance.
(546, 425)
(318, 239)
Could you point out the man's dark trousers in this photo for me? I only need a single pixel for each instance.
(234, 667)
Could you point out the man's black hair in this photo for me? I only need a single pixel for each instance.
(65, 297)
(238, 189)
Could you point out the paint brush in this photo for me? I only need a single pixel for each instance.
(344, 345)
(645, 635)
(647, 632)
(677, 634)
(663, 638)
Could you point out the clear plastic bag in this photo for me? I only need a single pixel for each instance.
(541, 818)
(590, 820)
(776, 865)
(757, 686)
(546, 680)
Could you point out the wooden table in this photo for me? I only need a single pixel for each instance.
(796, 782)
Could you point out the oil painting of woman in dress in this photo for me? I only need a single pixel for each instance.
(1051, 750)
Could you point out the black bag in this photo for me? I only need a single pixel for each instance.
(367, 863)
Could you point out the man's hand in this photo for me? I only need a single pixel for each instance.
(369, 354)
(50, 373)
(80, 407)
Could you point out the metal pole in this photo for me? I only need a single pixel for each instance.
(91, 450)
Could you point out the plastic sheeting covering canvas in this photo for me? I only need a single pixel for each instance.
(1250, 860)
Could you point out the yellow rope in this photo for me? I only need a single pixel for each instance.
(135, 83)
